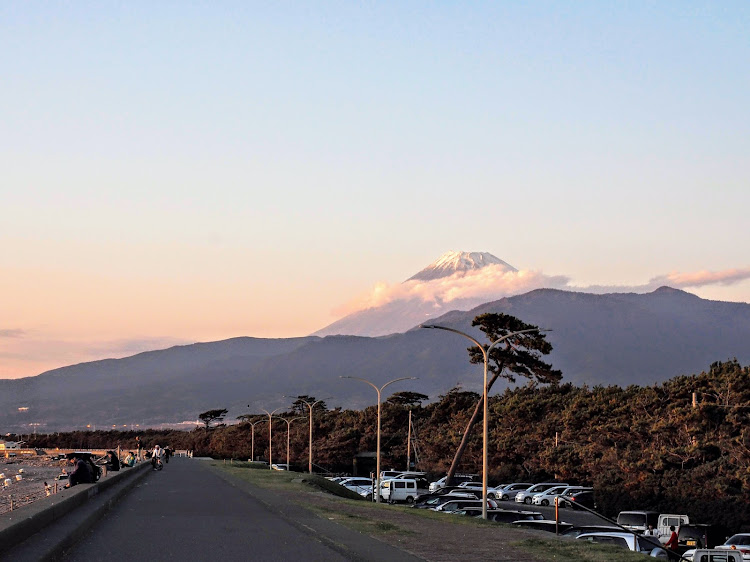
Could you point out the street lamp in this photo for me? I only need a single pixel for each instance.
(377, 454)
(311, 405)
(485, 421)
(270, 427)
(252, 437)
(288, 431)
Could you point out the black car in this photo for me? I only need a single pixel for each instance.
(579, 530)
(585, 499)
(543, 525)
(700, 536)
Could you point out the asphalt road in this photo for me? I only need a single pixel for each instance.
(187, 512)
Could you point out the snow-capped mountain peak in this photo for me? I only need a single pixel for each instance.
(452, 262)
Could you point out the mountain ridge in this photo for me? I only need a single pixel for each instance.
(616, 338)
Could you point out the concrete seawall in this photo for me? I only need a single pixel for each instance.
(21, 524)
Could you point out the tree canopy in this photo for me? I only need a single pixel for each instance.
(210, 416)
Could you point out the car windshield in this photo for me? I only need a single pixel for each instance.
(631, 519)
(742, 540)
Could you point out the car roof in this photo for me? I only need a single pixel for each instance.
(606, 534)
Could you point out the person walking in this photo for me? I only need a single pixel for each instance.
(672, 542)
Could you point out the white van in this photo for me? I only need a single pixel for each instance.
(399, 490)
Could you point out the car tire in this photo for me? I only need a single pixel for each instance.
(368, 497)
(527, 501)
(409, 499)
(545, 503)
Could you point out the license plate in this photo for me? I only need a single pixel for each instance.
(692, 543)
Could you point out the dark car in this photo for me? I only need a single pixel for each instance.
(544, 525)
(585, 499)
(511, 515)
(579, 530)
(432, 503)
(700, 536)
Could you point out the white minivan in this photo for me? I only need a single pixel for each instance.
(399, 490)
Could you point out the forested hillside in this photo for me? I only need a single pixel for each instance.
(646, 447)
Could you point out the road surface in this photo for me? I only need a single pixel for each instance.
(187, 512)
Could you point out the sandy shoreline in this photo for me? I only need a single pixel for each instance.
(36, 471)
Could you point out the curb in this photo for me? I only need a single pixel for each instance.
(60, 510)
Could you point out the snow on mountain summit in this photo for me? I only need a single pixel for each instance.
(452, 262)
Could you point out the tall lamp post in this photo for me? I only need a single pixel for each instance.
(377, 454)
(485, 421)
(310, 406)
(288, 431)
(252, 437)
(270, 427)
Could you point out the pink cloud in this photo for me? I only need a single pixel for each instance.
(493, 282)
(489, 283)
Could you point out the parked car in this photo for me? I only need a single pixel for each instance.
(712, 555)
(451, 489)
(423, 498)
(503, 515)
(471, 486)
(548, 496)
(582, 529)
(524, 496)
(280, 466)
(399, 490)
(435, 501)
(510, 490)
(511, 515)
(358, 484)
(585, 499)
(739, 542)
(638, 521)
(544, 525)
(692, 536)
(571, 491)
(636, 543)
(457, 479)
(458, 504)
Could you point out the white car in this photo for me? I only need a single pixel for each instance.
(280, 466)
(459, 504)
(636, 543)
(362, 486)
(713, 555)
(510, 490)
(739, 543)
(548, 496)
(525, 496)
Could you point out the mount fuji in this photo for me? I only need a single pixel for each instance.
(432, 292)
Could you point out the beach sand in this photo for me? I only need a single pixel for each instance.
(36, 471)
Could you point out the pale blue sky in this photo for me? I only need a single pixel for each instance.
(200, 171)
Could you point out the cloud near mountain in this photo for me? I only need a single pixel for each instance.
(487, 283)
(494, 282)
(676, 280)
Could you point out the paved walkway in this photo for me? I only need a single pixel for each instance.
(188, 512)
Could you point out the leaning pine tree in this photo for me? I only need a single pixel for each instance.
(519, 355)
